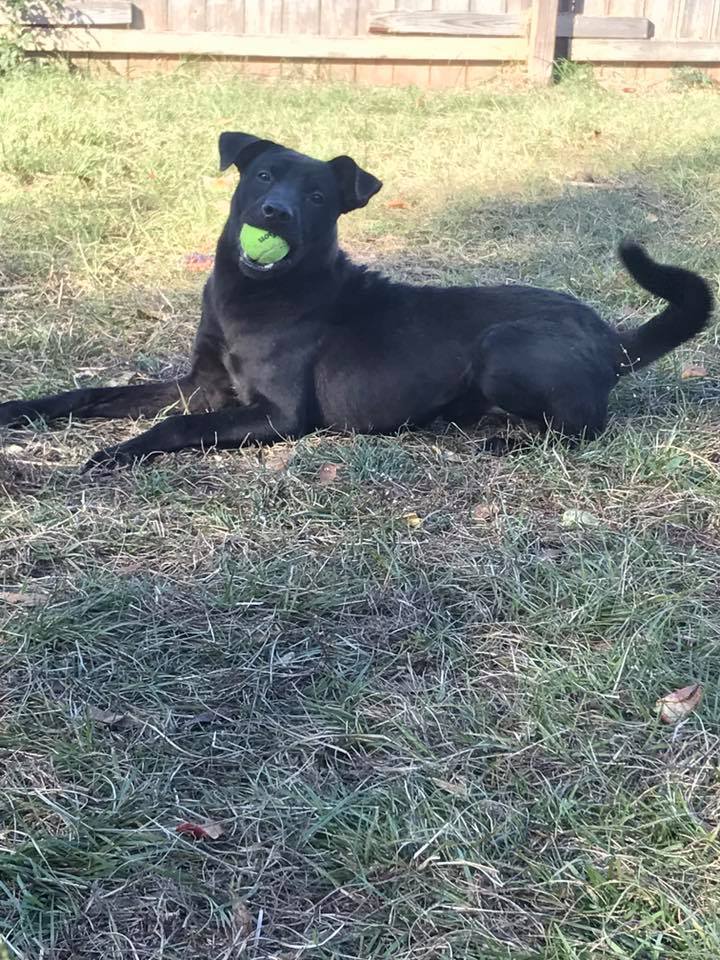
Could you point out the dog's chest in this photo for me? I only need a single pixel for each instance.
(266, 364)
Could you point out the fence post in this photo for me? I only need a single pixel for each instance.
(541, 49)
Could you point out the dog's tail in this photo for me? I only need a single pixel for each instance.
(689, 305)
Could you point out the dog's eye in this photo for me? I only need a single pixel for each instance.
(317, 197)
(264, 175)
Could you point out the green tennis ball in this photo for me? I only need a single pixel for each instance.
(261, 246)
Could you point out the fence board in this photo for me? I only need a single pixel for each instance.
(541, 48)
(301, 17)
(338, 18)
(488, 6)
(186, 16)
(114, 13)
(662, 15)
(422, 50)
(645, 51)
(458, 25)
(696, 20)
(225, 16)
(505, 25)
(451, 6)
(263, 16)
(154, 14)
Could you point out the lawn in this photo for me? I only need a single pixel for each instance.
(418, 693)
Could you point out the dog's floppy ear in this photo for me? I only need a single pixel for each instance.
(356, 185)
(240, 148)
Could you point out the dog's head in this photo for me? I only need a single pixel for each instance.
(290, 195)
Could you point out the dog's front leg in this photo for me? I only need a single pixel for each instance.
(228, 428)
(135, 400)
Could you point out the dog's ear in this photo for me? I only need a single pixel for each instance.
(356, 185)
(240, 149)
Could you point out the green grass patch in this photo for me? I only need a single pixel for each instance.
(435, 740)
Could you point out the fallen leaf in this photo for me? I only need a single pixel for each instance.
(198, 262)
(680, 703)
(457, 789)
(550, 553)
(397, 205)
(222, 182)
(412, 520)
(106, 717)
(578, 518)
(22, 599)
(147, 313)
(449, 455)
(200, 831)
(692, 370)
(276, 459)
(482, 512)
(242, 919)
(327, 473)
(121, 379)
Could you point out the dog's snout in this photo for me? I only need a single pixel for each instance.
(276, 212)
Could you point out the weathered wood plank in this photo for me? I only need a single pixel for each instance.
(609, 28)
(541, 47)
(225, 16)
(152, 14)
(696, 20)
(431, 22)
(505, 25)
(645, 51)
(338, 18)
(662, 16)
(451, 6)
(115, 13)
(263, 17)
(301, 16)
(285, 47)
(186, 15)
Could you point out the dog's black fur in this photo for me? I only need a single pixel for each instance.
(315, 341)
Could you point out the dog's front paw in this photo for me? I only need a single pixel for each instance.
(113, 458)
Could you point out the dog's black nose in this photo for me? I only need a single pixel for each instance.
(276, 212)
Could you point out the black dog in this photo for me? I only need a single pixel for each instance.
(314, 341)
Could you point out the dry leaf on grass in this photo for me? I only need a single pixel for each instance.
(200, 831)
(276, 459)
(198, 262)
(397, 204)
(483, 512)
(224, 182)
(690, 371)
(328, 473)
(679, 704)
(22, 599)
(107, 717)
(571, 519)
(412, 520)
(242, 919)
(449, 455)
(551, 553)
(457, 789)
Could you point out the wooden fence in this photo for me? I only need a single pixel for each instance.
(448, 43)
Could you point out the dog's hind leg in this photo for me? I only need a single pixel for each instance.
(572, 406)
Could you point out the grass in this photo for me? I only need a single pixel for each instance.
(432, 741)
